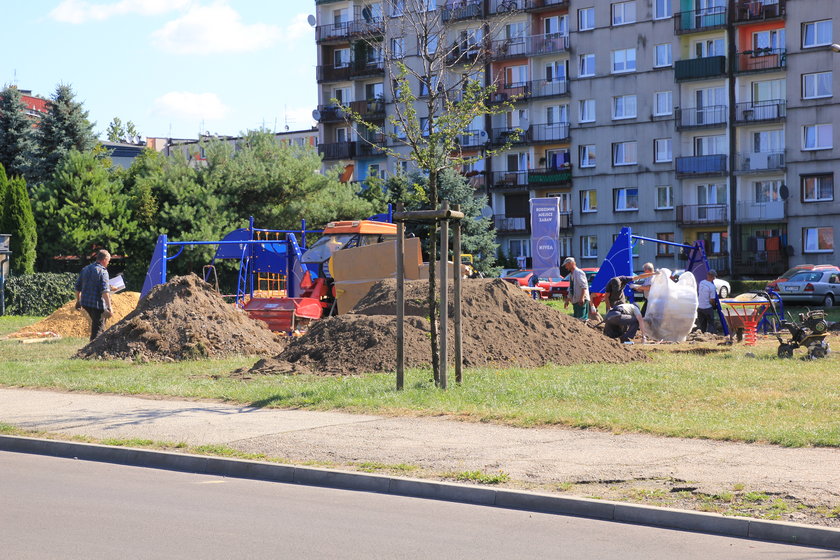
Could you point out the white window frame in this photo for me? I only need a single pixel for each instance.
(397, 47)
(663, 147)
(662, 9)
(586, 110)
(811, 239)
(814, 78)
(582, 63)
(625, 153)
(623, 13)
(817, 26)
(817, 178)
(345, 61)
(623, 196)
(588, 155)
(586, 198)
(669, 95)
(669, 59)
(589, 246)
(623, 61)
(624, 107)
(586, 19)
(669, 197)
(823, 130)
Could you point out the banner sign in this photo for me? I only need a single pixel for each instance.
(545, 229)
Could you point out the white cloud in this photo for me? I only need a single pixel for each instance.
(187, 105)
(217, 28)
(298, 30)
(80, 11)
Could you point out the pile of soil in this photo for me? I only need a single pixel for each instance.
(183, 319)
(68, 321)
(502, 326)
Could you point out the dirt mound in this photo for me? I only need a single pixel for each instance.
(502, 326)
(70, 322)
(183, 319)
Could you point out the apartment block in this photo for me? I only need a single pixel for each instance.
(709, 120)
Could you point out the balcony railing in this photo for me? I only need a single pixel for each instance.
(699, 68)
(757, 111)
(456, 10)
(370, 147)
(759, 10)
(472, 138)
(533, 133)
(330, 113)
(688, 166)
(530, 90)
(369, 108)
(689, 214)
(530, 46)
(760, 60)
(703, 19)
(361, 68)
(532, 178)
(511, 224)
(346, 29)
(760, 161)
(465, 52)
(771, 211)
(696, 117)
(337, 150)
(331, 73)
(507, 6)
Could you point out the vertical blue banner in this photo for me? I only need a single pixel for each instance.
(545, 230)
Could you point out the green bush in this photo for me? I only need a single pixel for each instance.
(40, 293)
(743, 286)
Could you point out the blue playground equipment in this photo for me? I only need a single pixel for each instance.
(619, 262)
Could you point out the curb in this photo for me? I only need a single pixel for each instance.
(742, 527)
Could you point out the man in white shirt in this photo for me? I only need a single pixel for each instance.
(706, 307)
(579, 290)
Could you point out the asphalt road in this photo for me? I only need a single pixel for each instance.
(62, 508)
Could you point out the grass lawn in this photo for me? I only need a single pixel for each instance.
(724, 395)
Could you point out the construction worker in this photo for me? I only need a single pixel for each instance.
(579, 290)
(614, 289)
(623, 321)
(644, 286)
(706, 303)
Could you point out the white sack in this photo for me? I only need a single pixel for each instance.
(672, 306)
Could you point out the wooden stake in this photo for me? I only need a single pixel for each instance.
(400, 301)
(456, 319)
(444, 293)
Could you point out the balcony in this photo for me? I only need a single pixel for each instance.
(472, 138)
(557, 132)
(701, 117)
(331, 73)
(370, 147)
(760, 60)
(531, 178)
(700, 68)
(365, 68)
(456, 10)
(530, 90)
(757, 162)
(369, 109)
(532, 45)
(330, 113)
(509, 179)
(761, 111)
(698, 214)
(693, 166)
(465, 52)
(507, 6)
(704, 19)
(512, 224)
(760, 10)
(771, 211)
(337, 150)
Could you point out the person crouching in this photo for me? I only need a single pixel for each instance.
(623, 321)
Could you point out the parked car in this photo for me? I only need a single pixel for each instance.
(821, 287)
(774, 285)
(721, 286)
(552, 287)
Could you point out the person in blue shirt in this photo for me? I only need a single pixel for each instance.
(93, 294)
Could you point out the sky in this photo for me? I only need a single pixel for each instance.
(175, 68)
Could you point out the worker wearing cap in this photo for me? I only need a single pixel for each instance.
(706, 296)
(579, 290)
(93, 293)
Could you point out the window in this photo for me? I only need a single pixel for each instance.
(586, 19)
(768, 141)
(663, 103)
(816, 137)
(397, 7)
(624, 153)
(816, 33)
(711, 194)
(662, 9)
(624, 107)
(818, 239)
(817, 188)
(623, 13)
(341, 58)
(663, 250)
(398, 47)
(767, 191)
(710, 145)
(664, 197)
(557, 114)
(716, 242)
(587, 155)
(589, 201)
(764, 41)
(589, 246)
(587, 65)
(519, 248)
(623, 60)
(816, 85)
(662, 150)
(662, 55)
(626, 199)
(587, 110)
(709, 47)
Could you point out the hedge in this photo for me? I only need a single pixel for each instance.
(743, 286)
(40, 293)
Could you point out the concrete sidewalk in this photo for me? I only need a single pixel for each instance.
(538, 455)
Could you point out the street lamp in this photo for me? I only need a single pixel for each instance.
(835, 47)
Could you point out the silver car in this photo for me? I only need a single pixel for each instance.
(820, 287)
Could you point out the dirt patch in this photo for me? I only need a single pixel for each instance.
(183, 319)
(68, 321)
(502, 327)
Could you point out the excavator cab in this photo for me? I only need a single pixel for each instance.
(345, 235)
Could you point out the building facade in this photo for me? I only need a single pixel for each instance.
(710, 120)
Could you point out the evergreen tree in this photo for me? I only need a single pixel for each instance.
(65, 127)
(16, 143)
(17, 220)
(116, 130)
(4, 185)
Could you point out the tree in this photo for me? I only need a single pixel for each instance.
(64, 127)
(117, 132)
(17, 219)
(16, 143)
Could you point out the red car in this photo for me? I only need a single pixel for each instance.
(552, 287)
(774, 285)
